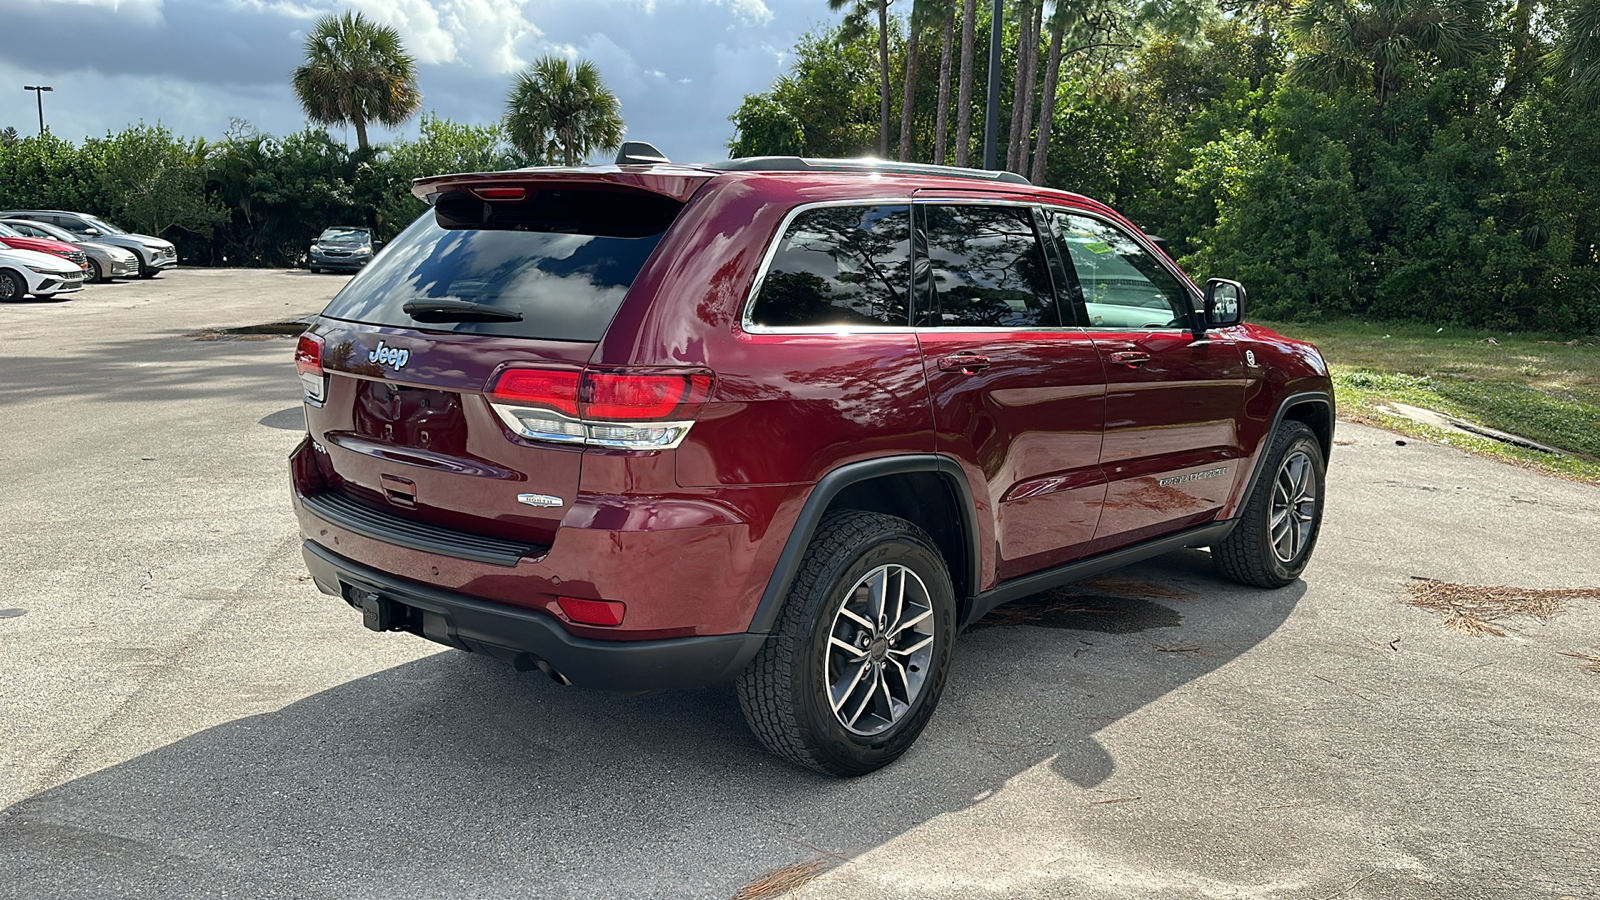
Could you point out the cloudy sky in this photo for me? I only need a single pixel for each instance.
(680, 67)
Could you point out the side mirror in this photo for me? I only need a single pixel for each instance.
(1224, 303)
(91, 232)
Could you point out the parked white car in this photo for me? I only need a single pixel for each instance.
(24, 272)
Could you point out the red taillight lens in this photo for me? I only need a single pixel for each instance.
(553, 388)
(308, 355)
(628, 397)
(592, 612)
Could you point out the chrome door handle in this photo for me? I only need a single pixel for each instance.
(1130, 357)
(965, 363)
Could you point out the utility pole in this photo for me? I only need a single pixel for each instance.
(991, 113)
(38, 93)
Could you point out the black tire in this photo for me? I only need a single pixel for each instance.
(93, 274)
(12, 286)
(1292, 480)
(315, 270)
(785, 691)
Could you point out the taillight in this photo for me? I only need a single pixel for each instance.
(637, 397)
(555, 388)
(308, 362)
(620, 409)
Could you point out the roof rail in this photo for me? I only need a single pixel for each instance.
(863, 165)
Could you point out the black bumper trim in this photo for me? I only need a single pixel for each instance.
(610, 665)
(392, 529)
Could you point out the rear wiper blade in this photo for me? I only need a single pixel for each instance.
(458, 311)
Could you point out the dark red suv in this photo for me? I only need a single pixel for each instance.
(789, 422)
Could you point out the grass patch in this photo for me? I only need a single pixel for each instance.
(781, 881)
(1542, 387)
(1483, 609)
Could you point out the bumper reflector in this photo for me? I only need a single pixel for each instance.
(592, 612)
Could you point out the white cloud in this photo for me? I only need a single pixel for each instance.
(752, 11)
(147, 12)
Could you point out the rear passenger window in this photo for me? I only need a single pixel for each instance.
(839, 266)
(986, 270)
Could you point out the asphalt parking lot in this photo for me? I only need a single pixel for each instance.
(183, 715)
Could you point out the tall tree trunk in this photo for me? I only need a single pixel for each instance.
(1024, 146)
(969, 15)
(1047, 103)
(883, 79)
(1019, 85)
(907, 105)
(942, 120)
(361, 131)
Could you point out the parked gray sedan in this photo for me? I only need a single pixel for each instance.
(105, 260)
(154, 253)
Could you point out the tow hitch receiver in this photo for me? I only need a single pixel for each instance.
(376, 612)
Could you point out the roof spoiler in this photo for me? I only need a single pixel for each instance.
(639, 153)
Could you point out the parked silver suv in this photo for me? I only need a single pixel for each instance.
(155, 254)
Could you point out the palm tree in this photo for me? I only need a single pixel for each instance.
(1047, 103)
(919, 12)
(356, 71)
(882, 8)
(559, 109)
(1344, 42)
(1577, 51)
(1020, 86)
(942, 118)
(969, 16)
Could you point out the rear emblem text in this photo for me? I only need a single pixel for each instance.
(389, 356)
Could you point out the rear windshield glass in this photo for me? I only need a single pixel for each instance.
(565, 283)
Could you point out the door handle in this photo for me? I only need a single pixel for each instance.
(1130, 357)
(965, 363)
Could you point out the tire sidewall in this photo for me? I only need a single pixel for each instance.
(19, 289)
(864, 753)
(1303, 440)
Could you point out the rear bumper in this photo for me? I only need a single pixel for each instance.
(526, 638)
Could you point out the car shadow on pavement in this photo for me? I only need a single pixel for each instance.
(169, 366)
(455, 776)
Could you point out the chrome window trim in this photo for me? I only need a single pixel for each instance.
(747, 322)
(749, 326)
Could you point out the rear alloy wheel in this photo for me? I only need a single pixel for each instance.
(12, 287)
(1277, 531)
(858, 660)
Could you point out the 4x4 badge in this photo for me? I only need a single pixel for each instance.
(389, 356)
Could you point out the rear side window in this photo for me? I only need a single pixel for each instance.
(562, 261)
(839, 266)
(987, 270)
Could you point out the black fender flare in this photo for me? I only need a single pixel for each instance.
(1320, 398)
(821, 497)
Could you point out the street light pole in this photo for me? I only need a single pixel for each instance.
(38, 93)
(991, 116)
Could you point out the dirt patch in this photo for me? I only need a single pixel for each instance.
(781, 881)
(1486, 609)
